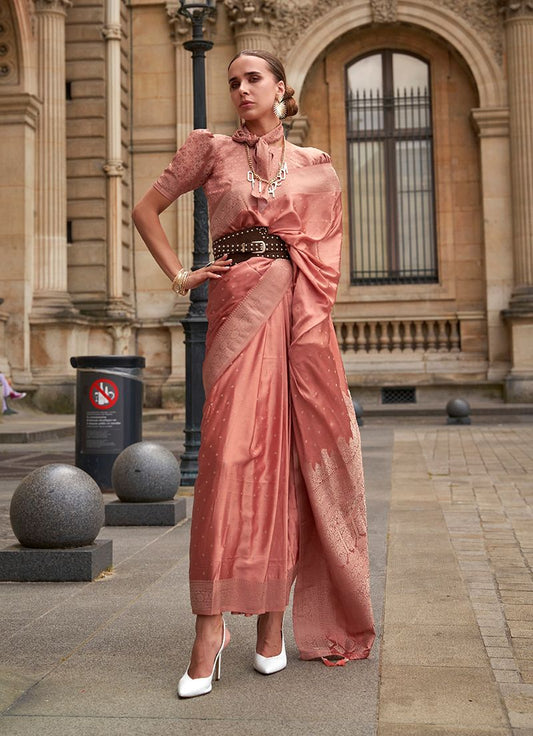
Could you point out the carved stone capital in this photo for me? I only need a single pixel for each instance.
(491, 122)
(52, 6)
(112, 31)
(384, 11)
(114, 168)
(181, 26)
(516, 8)
(247, 15)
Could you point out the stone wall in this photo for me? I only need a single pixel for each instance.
(117, 300)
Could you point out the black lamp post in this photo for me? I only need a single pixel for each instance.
(195, 323)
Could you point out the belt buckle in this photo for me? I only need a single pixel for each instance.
(260, 243)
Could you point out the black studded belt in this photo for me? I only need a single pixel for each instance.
(250, 243)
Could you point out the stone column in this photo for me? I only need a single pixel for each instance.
(180, 32)
(114, 166)
(50, 273)
(492, 126)
(251, 21)
(173, 390)
(519, 48)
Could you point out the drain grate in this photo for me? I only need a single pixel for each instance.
(398, 395)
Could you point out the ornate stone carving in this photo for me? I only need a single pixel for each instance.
(30, 8)
(180, 25)
(9, 71)
(293, 17)
(483, 16)
(121, 334)
(52, 6)
(250, 13)
(513, 8)
(384, 11)
(112, 31)
(114, 168)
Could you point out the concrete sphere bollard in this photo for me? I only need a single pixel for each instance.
(458, 411)
(55, 507)
(145, 472)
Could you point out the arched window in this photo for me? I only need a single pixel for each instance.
(390, 164)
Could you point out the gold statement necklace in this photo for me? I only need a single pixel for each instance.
(271, 184)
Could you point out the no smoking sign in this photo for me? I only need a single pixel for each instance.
(103, 393)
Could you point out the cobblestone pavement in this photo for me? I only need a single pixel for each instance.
(456, 655)
(459, 595)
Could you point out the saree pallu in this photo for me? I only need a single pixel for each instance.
(280, 491)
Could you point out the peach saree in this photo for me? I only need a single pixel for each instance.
(280, 493)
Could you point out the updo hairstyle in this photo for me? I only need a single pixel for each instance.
(277, 69)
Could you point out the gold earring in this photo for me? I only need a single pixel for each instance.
(280, 108)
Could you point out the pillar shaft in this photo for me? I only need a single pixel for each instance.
(519, 316)
(50, 277)
(181, 31)
(519, 29)
(114, 166)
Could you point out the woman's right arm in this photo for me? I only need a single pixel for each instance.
(146, 218)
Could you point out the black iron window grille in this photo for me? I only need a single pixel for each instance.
(390, 164)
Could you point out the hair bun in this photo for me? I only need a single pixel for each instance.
(290, 102)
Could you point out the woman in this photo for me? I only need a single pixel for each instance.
(279, 493)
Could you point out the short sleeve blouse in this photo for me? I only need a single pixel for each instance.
(191, 166)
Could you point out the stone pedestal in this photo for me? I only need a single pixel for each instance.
(155, 513)
(519, 382)
(29, 564)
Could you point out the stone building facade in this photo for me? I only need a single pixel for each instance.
(426, 107)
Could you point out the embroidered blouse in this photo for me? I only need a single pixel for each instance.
(219, 164)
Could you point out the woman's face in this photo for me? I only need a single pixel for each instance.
(253, 88)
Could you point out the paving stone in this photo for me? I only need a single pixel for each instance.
(499, 663)
(413, 729)
(453, 646)
(454, 697)
(503, 652)
(507, 676)
(495, 641)
(520, 613)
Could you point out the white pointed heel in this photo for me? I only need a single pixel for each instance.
(270, 665)
(189, 687)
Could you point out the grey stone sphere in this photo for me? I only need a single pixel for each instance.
(57, 506)
(458, 408)
(145, 472)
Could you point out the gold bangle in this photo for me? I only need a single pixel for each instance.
(178, 284)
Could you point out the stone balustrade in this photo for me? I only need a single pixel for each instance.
(400, 335)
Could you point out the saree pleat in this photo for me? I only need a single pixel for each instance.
(244, 536)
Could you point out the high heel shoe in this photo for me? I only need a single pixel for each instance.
(270, 665)
(189, 687)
